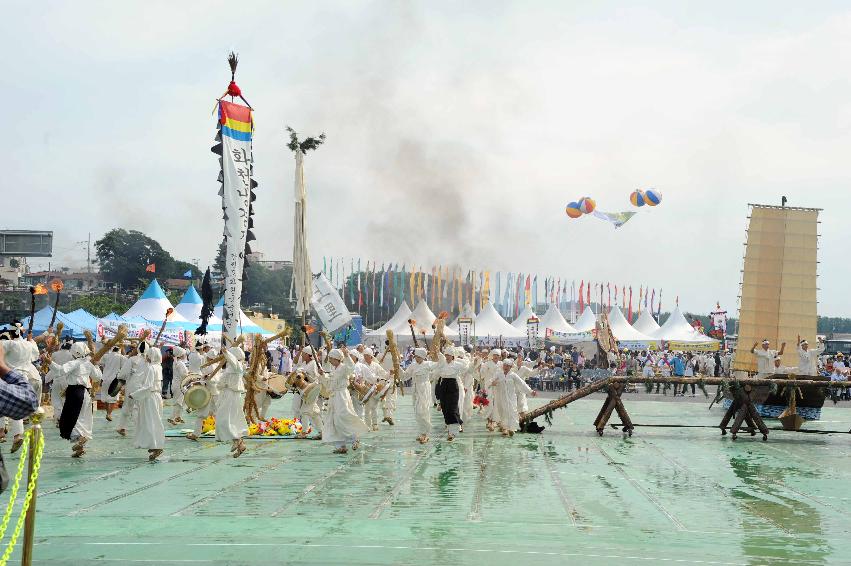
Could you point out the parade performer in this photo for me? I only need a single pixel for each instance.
(111, 367)
(808, 357)
(505, 386)
(388, 402)
(145, 391)
(60, 357)
(468, 380)
(489, 370)
(342, 425)
(230, 418)
(310, 416)
(19, 359)
(524, 370)
(75, 382)
(195, 361)
(131, 373)
(449, 371)
(372, 373)
(179, 371)
(765, 357)
(421, 373)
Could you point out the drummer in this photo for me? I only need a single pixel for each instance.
(375, 376)
(309, 415)
(196, 359)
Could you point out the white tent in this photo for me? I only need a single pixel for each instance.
(190, 305)
(403, 313)
(423, 318)
(623, 331)
(466, 312)
(490, 323)
(245, 326)
(587, 322)
(677, 329)
(520, 322)
(554, 320)
(646, 324)
(153, 305)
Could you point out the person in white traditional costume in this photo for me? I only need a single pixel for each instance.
(358, 371)
(60, 357)
(309, 415)
(388, 402)
(179, 371)
(230, 419)
(808, 357)
(19, 357)
(765, 357)
(505, 385)
(468, 380)
(422, 374)
(449, 372)
(78, 374)
(212, 379)
(490, 369)
(131, 372)
(342, 425)
(146, 392)
(524, 370)
(376, 377)
(111, 363)
(195, 361)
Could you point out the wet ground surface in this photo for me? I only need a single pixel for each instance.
(678, 495)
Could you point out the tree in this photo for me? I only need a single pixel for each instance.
(98, 305)
(219, 263)
(123, 256)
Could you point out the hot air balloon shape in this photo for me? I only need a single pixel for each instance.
(637, 198)
(587, 205)
(572, 210)
(652, 197)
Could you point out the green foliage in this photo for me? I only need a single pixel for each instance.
(124, 254)
(98, 305)
(219, 263)
(270, 288)
(831, 324)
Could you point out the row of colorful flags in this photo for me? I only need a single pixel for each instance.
(376, 290)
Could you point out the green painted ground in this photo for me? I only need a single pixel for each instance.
(680, 495)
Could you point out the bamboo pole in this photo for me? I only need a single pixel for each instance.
(29, 524)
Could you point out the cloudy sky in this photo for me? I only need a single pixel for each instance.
(457, 131)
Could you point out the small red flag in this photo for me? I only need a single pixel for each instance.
(151, 268)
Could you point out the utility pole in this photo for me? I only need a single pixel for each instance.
(89, 253)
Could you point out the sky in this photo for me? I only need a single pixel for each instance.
(457, 131)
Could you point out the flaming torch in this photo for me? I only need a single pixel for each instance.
(411, 323)
(57, 285)
(39, 289)
(168, 313)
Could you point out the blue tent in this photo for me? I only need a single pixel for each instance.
(83, 318)
(72, 327)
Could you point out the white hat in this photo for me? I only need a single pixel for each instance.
(507, 362)
(460, 352)
(336, 354)
(420, 352)
(368, 352)
(804, 341)
(765, 341)
(178, 352)
(17, 353)
(154, 356)
(79, 350)
(496, 352)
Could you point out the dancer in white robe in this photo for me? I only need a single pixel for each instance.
(179, 372)
(468, 380)
(79, 372)
(195, 361)
(19, 357)
(309, 415)
(524, 371)
(111, 367)
(342, 425)
(131, 372)
(146, 392)
(60, 357)
(448, 377)
(388, 403)
(422, 375)
(230, 419)
(505, 385)
(372, 373)
(490, 369)
(808, 357)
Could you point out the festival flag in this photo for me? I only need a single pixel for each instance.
(535, 292)
(652, 300)
(381, 292)
(581, 295)
(629, 317)
(188, 274)
(151, 268)
(609, 291)
(352, 284)
(588, 292)
(659, 308)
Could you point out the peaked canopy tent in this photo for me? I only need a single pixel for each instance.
(520, 322)
(587, 322)
(152, 305)
(554, 321)
(423, 318)
(466, 312)
(489, 323)
(625, 334)
(403, 313)
(71, 326)
(680, 335)
(646, 324)
(190, 305)
(246, 325)
(83, 318)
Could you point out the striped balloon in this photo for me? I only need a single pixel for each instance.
(637, 198)
(587, 205)
(652, 197)
(572, 210)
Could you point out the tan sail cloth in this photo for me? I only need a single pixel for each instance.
(778, 296)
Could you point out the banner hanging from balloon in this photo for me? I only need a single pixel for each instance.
(617, 219)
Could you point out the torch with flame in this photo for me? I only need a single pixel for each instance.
(57, 285)
(411, 323)
(39, 289)
(168, 314)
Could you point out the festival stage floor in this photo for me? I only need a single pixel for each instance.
(666, 495)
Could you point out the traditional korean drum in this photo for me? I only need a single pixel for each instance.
(196, 394)
(309, 391)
